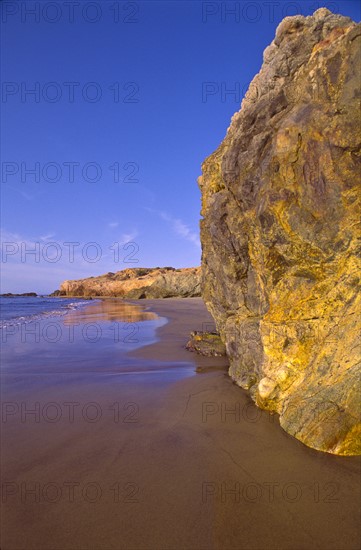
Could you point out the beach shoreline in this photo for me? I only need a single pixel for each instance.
(184, 315)
(164, 458)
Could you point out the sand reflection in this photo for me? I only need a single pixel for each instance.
(109, 310)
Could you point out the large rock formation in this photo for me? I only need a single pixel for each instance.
(135, 283)
(280, 201)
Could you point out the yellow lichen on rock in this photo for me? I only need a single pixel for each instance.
(280, 235)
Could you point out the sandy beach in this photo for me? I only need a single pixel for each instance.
(157, 449)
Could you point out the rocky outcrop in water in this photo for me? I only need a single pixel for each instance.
(137, 283)
(280, 262)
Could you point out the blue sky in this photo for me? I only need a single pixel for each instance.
(130, 97)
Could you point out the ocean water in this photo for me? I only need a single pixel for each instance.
(24, 309)
(68, 337)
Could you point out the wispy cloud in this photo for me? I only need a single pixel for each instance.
(21, 192)
(113, 225)
(47, 237)
(179, 227)
(128, 237)
(16, 239)
(39, 263)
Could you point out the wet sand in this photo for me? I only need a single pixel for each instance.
(163, 459)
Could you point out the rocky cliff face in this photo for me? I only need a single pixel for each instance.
(137, 283)
(280, 264)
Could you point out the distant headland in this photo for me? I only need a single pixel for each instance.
(137, 283)
(11, 295)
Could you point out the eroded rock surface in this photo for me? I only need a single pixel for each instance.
(208, 344)
(138, 283)
(280, 263)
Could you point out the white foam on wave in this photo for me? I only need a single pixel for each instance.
(43, 314)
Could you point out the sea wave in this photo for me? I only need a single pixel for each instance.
(21, 319)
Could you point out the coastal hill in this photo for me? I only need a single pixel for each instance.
(280, 201)
(23, 295)
(137, 283)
